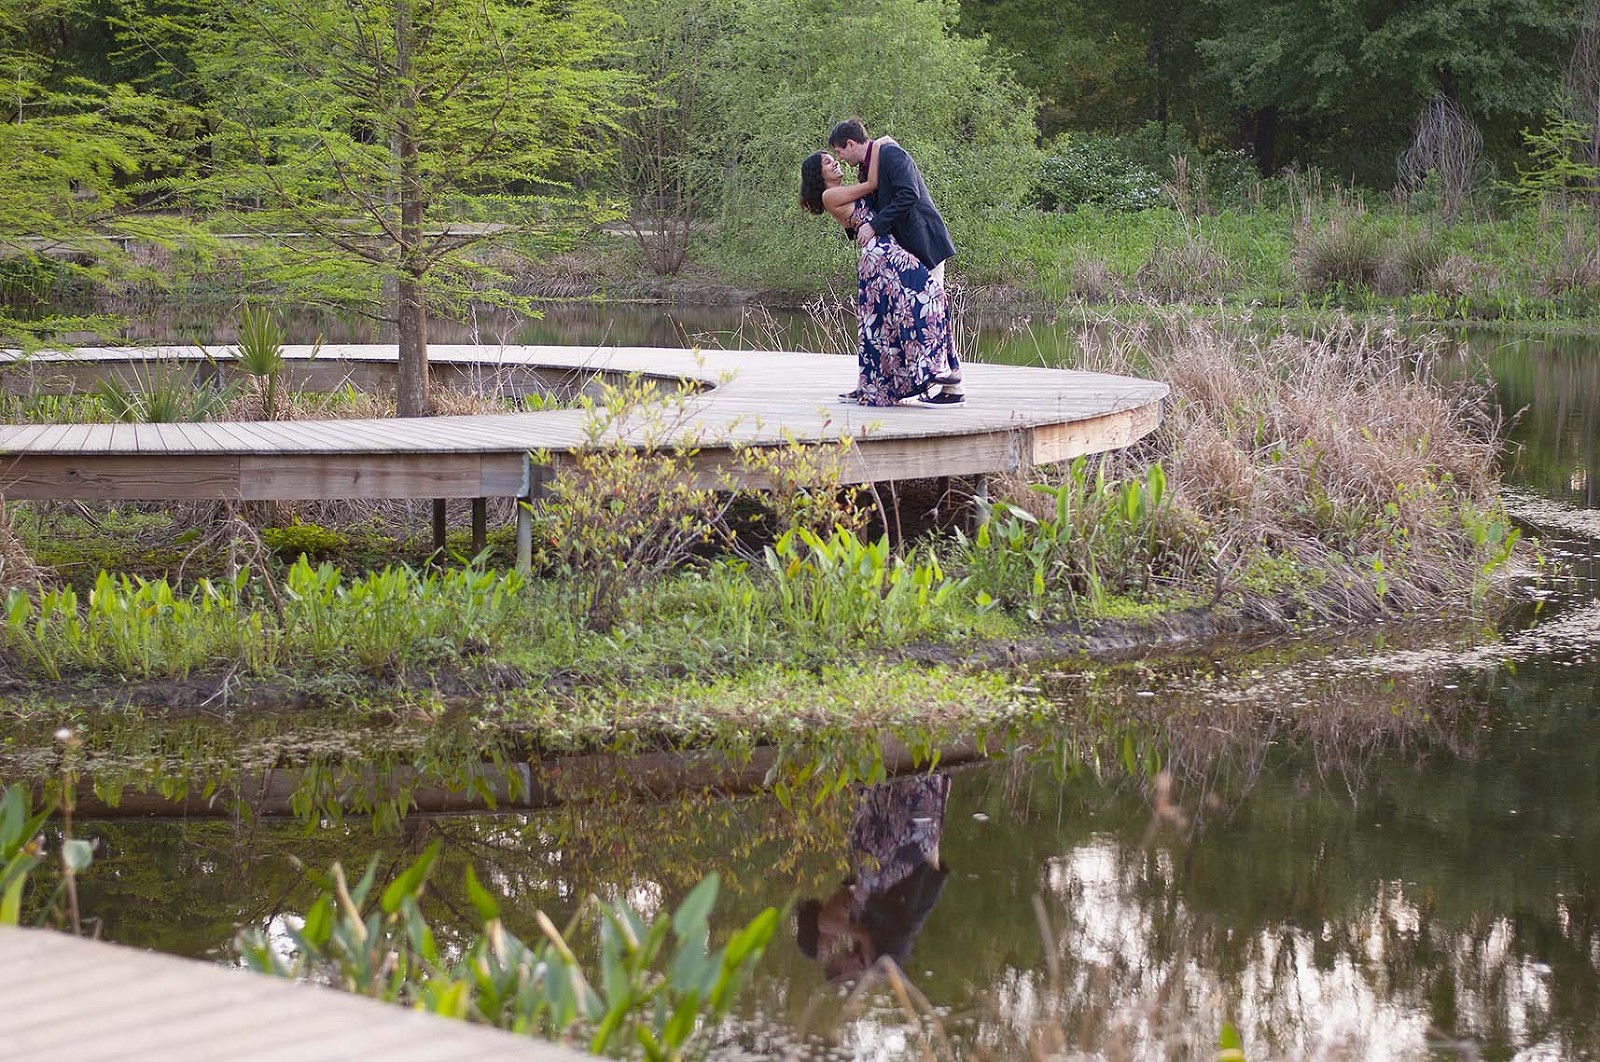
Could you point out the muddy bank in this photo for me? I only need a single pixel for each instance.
(516, 786)
(457, 689)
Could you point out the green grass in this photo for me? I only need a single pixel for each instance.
(1492, 269)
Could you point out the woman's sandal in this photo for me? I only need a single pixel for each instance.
(851, 396)
(943, 398)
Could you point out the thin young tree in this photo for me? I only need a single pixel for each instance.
(1446, 146)
(375, 148)
(1581, 79)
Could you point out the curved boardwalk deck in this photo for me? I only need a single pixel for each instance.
(85, 1001)
(1014, 417)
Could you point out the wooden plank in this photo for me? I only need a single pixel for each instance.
(64, 438)
(89, 1001)
(17, 437)
(1014, 416)
(233, 437)
(129, 477)
(322, 476)
(98, 440)
(288, 437)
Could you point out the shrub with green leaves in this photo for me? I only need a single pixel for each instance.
(661, 987)
(1083, 169)
(844, 588)
(295, 539)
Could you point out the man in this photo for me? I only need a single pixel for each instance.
(903, 209)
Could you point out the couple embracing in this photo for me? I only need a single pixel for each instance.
(906, 348)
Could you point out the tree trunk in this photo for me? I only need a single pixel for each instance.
(1266, 140)
(411, 383)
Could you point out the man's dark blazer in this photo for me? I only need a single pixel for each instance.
(905, 210)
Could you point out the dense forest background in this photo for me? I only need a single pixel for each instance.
(1090, 147)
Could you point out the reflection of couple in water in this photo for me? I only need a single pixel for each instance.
(905, 347)
(897, 878)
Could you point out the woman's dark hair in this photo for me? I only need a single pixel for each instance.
(807, 934)
(811, 185)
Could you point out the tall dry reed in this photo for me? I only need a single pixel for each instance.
(1341, 459)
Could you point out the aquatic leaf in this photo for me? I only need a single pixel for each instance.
(689, 921)
(483, 902)
(410, 881)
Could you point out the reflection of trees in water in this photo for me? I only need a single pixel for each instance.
(1555, 381)
(1140, 971)
(1442, 893)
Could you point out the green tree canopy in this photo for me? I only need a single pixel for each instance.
(789, 69)
(1354, 73)
(390, 137)
(71, 154)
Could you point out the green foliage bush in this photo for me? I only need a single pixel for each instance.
(781, 74)
(649, 1000)
(842, 589)
(297, 538)
(1082, 169)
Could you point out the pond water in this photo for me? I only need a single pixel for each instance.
(1385, 845)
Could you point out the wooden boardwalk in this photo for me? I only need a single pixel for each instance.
(73, 1000)
(1013, 417)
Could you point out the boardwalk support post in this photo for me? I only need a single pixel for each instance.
(439, 527)
(534, 479)
(480, 525)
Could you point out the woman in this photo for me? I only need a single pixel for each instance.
(905, 343)
(897, 878)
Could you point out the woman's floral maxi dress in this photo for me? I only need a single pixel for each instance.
(904, 326)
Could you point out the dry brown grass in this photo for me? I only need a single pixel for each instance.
(1340, 452)
(1184, 271)
(1092, 280)
(1577, 266)
(17, 566)
(1342, 253)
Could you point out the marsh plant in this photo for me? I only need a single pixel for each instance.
(143, 628)
(23, 851)
(1335, 474)
(164, 393)
(259, 355)
(660, 989)
(1072, 545)
(845, 588)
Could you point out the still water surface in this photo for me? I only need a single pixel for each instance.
(1384, 846)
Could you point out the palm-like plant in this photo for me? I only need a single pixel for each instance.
(260, 355)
